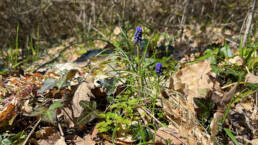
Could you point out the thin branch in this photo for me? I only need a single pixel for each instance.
(183, 19)
(33, 129)
(249, 22)
(152, 116)
(60, 129)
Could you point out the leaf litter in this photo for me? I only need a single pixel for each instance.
(65, 96)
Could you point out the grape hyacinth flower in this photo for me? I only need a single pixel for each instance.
(159, 69)
(138, 35)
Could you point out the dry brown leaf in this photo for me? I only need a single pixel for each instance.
(194, 135)
(170, 109)
(215, 125)
(201, 137)
(187, 134)
(241, 106)
(181, 116)
(99, 44)
(94, 132)
(52, 139)
(255, 141)
(117, 30)
(168, 135)
(117, 141)
(220, 111)
(60, 141)
(65, 66)
(83, 93)
(44, 132)
(78, 141)
(44, 142)
(107, 143)
(236, 60)
(227, 96)
(9, 112)
(193, 80)
(175, 82)
(220, 41)
(251, 78)
(68, 116)
(85, 141)
(216, 97)
(177, 111)
(126, 139)
(26, 107)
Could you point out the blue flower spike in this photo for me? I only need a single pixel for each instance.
(159, 69)
(138, 35)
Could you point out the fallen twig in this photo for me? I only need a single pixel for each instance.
(152, 116)
(154, 132)
(60, 129)
(33, 129)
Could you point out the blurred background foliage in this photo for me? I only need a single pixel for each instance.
(45, 22)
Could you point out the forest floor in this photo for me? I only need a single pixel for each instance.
(161, 90)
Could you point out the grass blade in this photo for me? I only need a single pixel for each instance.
(228, 132)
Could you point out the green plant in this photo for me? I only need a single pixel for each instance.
(7, 139)
(122, 112)
(16, 54)
(141, 133)
(13, 52)
(89, 113)
(48, 114)
(62, 82)
(33, 47)
(232, 137)
(139, 79)
(205, 110)
(236, 99)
